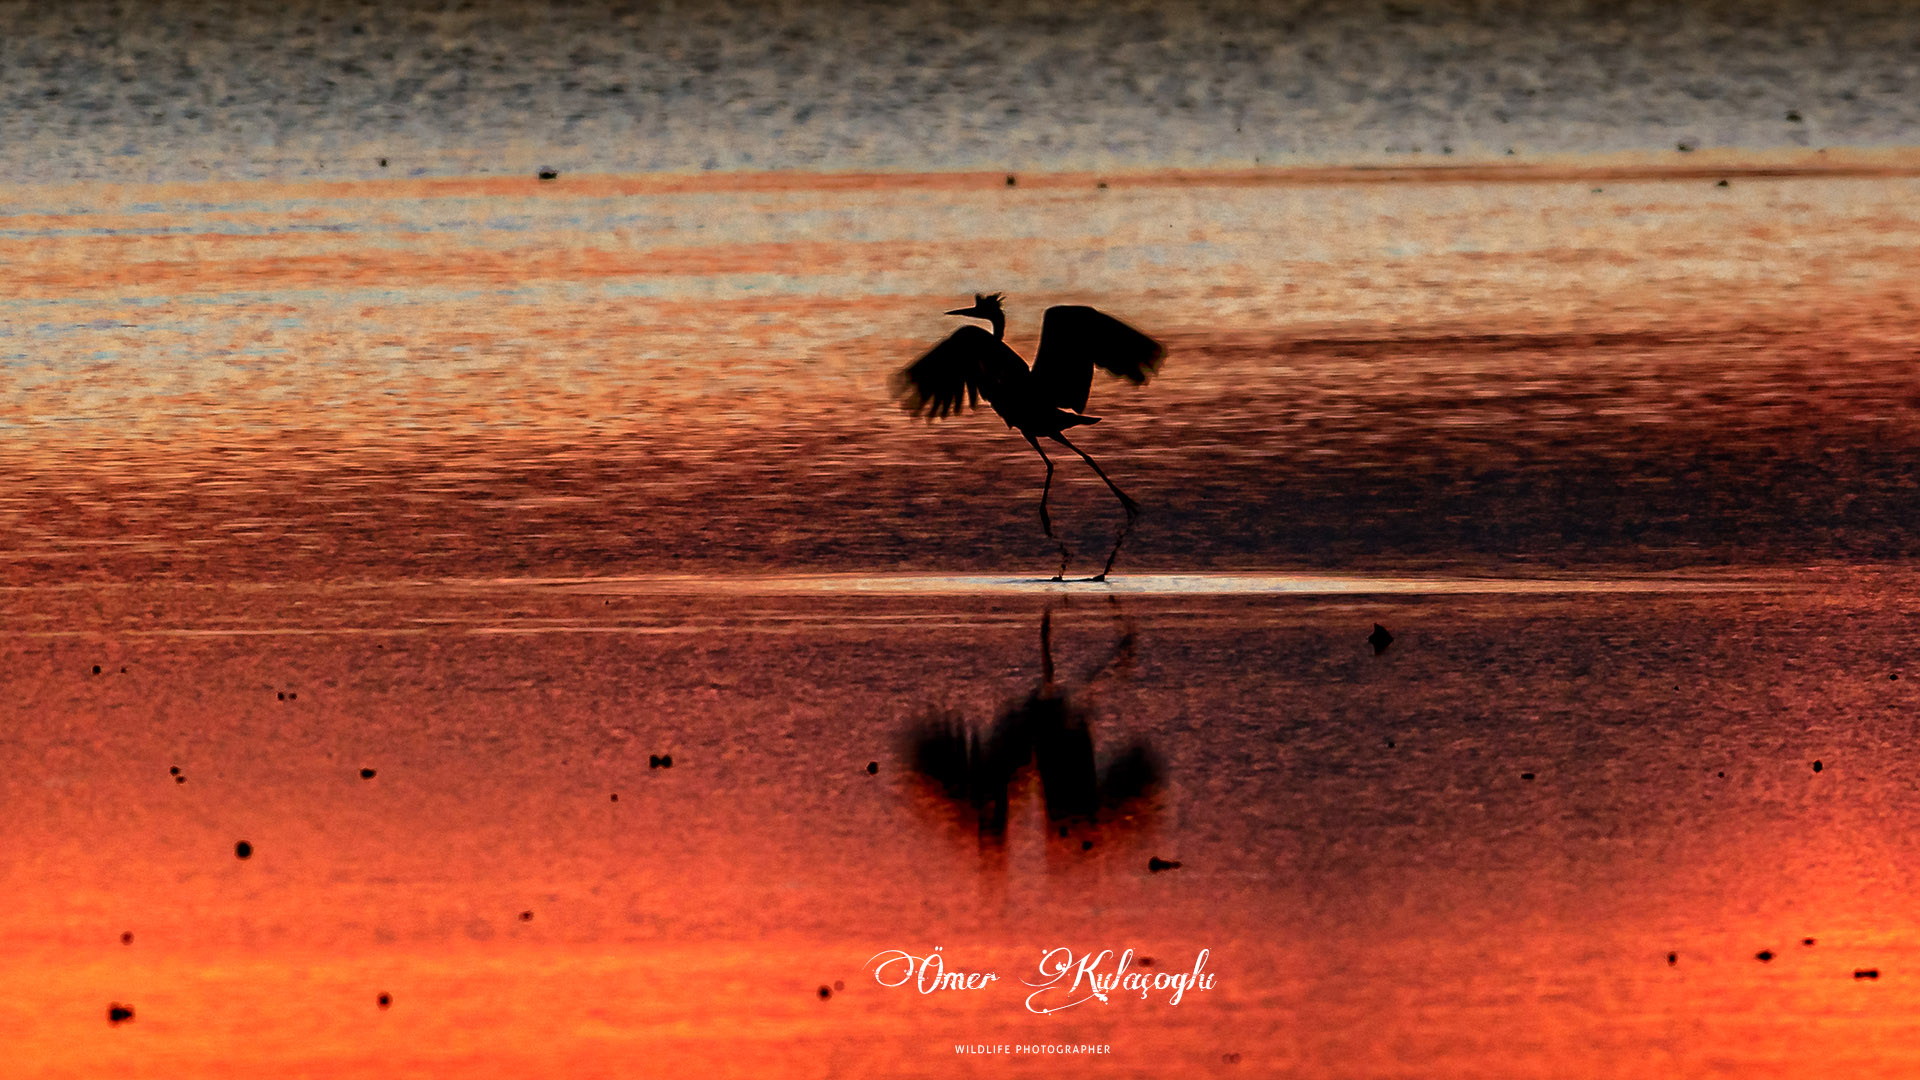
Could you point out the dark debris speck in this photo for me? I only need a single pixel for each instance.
(367, 774)
(243, 850)
(1379, 639)
(118, 1013)
(1156, 864)
(384, 1000)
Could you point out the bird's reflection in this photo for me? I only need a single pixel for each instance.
(1049, 730)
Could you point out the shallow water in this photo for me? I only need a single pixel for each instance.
(1598, 366)
(1466, 856)
(503, 489)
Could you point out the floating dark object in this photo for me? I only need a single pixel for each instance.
(1157, 864)
(873, 767)
(1793, 117)
(1722, 776)
(118, 1013)
(549, 174)
(126, 937)
(1102, 185)
(1230, 1059)
(838, 986)
(1086, 845)
(1806, 941)
(1764, 955)
(1685, 147)
(1893, 678)
(1673, 958)
(1722, 183)
(179, 779)
(385, 999)
(1379, 639)
(526, 916)
(173, 770)
(1866, 973)
(1010, 180)
(826, 992)
(659, 761)
(1143, 961)
(1817, 766)
(383, 163)
(96, 669)
(243, 850)
(283, 693)
(1389, 744)
(367, 774)
(615, 797)
(1526, 776)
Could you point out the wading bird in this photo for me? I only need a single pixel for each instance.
(1050, 730)
(1041, 402)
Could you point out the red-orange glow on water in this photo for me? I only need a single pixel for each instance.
(506, 491)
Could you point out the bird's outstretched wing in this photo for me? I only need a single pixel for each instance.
(969, 365)
(1074, 340)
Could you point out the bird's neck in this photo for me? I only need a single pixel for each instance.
(999, 326)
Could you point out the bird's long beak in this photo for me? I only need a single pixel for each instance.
(974, 311)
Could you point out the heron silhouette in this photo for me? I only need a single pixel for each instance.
(1049, 730)
(1042, 401)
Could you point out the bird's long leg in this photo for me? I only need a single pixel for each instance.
(1122, 656)
(1046, 645)
(1133, 508)
(1046, 522)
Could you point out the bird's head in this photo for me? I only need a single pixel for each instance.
(985, 306)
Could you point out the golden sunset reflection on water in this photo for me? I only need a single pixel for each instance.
(503, 488)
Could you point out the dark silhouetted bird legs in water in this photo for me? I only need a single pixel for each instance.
(1042, 401)
(1046, 520)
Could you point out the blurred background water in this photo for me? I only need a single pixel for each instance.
(598, 374)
